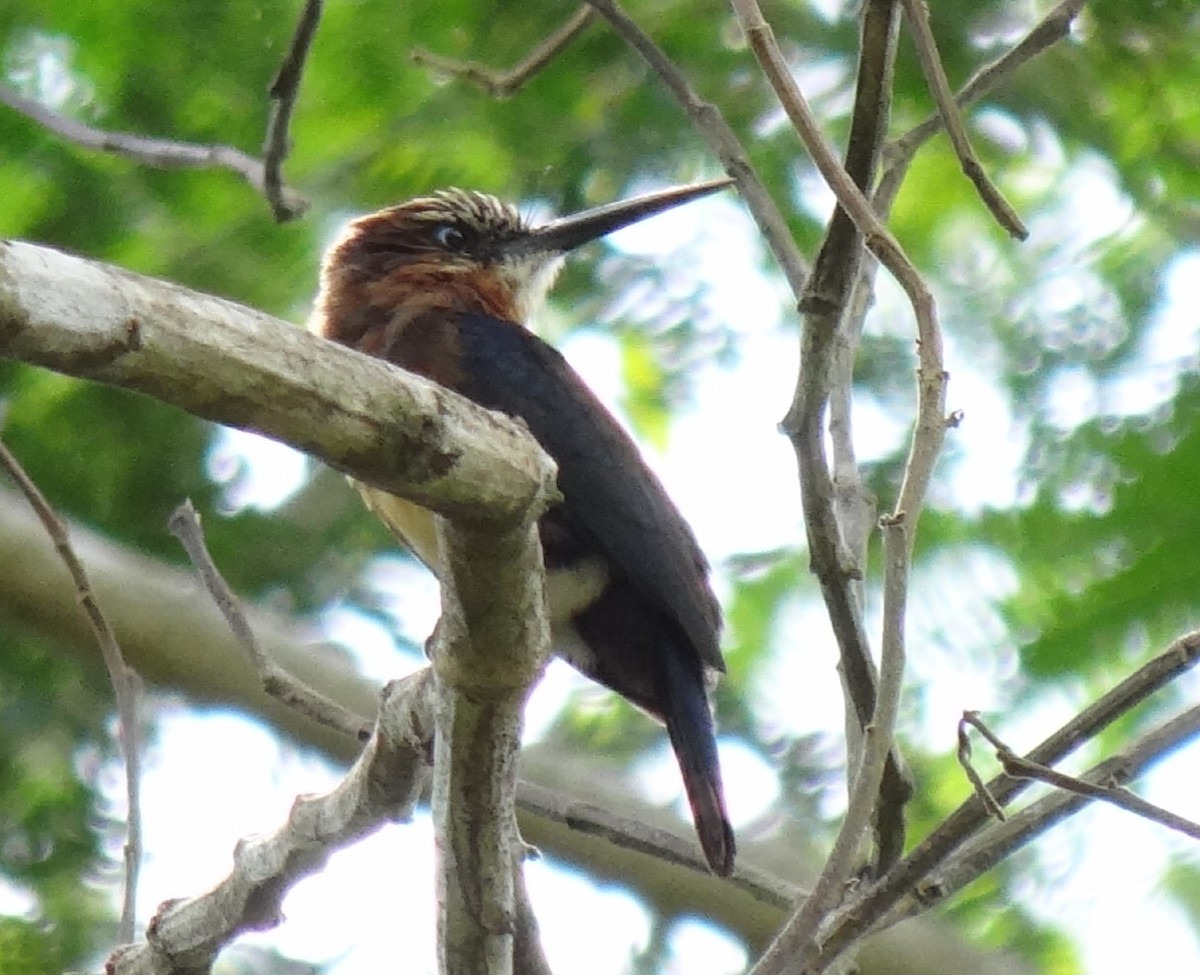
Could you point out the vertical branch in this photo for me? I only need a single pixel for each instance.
(798, 942)
(836, 267)
(829, 506)
(491, 644)
(284, 90)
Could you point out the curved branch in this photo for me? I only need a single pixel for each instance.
(505, 84)
(160, 153)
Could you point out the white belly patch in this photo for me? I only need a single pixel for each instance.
(568, 590)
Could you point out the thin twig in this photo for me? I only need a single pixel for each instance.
(798, 941)
(281, 685)
(957, 828)
(503, 84)
(284, 90)
(935, 77)
(124, 680)
(159, 153)
(982, 854)
(1051, 29)
(1020, 768)
(721, 138)
(963, 753)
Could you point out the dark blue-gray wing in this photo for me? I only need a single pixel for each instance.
(610, 496)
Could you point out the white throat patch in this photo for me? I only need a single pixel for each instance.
(530, 277)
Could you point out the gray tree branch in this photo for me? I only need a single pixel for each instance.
(384, 785)
(221, 361)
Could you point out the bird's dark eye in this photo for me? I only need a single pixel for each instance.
(450, 237)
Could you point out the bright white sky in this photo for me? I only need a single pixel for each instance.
(1107, 865)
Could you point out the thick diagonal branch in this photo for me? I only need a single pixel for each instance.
(223, 362)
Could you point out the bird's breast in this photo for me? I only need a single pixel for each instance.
(571, 585)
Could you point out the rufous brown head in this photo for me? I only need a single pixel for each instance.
(460, 250)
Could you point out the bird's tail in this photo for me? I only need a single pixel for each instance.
(690, 727)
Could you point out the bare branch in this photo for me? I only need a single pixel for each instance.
(487, 652)
(931, 378)
(276, 681)
(983, 853)
(798, 941)
(956, 830)
(935, 77)
(504, 84)
(827, 324)
(383, 786)
(283, 91)
(125, 683)
(159, 153)
(713, 128)
(1051, 29)
(183, 644)
(1021, 768)
(832, 508)
(228, 363)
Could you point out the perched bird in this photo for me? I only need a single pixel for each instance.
(443, 286)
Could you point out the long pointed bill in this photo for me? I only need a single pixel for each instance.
(567, 233)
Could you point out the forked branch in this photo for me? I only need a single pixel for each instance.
(504, 84)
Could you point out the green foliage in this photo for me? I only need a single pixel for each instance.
(47, 817)
(1106, 578)
(1183, 882)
